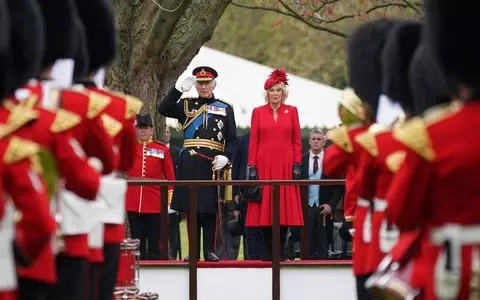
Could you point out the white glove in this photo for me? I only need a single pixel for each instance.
(186, 84)
(219, 162)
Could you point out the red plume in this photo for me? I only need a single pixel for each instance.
(277, 76)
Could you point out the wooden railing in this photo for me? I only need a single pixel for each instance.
(192, 221)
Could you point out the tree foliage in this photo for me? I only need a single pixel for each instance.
(324, 15)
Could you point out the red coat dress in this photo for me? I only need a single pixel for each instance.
(274, 147)
(152, 160)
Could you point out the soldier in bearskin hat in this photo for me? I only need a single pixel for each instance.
(344, 156)
(119, 115)
(449, 259)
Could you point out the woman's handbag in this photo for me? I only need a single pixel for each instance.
(252, 193)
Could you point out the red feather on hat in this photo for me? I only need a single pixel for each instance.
(277, 76)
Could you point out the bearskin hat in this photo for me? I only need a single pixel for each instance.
(449, 26)
(81, 56)
(4, 47)
(427, 81)
(26, 42)
(364, 49)
(396, 57)
(59, 17)
(99, 21)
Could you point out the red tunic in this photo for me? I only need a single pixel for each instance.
(119, 118)
(384, 156)
(343, 158)
(152, 160)
(274, 147)
(52, 130)
(438, 185)
(27, 191)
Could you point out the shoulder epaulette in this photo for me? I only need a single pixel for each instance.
(96, 104)
(19, 149)
(368, 142)
(414, 135)
(440, 112)
(394, 160)
(184, 97)
(112, 126)
(228, 103)
(133, 104)
(18, 117)
(64, 120)
(339, 136)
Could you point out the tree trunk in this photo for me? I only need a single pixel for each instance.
(157, 41)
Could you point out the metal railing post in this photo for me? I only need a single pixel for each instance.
(192, 242)
(276, 247)
(164, 253)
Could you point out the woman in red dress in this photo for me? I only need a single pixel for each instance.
(275, 153)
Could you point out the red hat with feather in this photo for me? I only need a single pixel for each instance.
(276, 77)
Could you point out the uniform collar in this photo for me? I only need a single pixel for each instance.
(150, 140)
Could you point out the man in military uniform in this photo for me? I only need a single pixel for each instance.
(210, 144)
(152, 160)
(357, 110)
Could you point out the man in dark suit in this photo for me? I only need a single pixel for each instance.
(174, 217)
(253, 246)
(319, 201)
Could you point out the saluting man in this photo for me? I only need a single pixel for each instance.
(152, 160)
(210, 144)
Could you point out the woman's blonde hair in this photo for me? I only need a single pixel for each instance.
(284, 94)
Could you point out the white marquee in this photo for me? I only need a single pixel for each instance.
(240, 82)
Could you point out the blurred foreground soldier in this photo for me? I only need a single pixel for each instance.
(210, 144)
(152, 161)
(435, 172)
(344, 156)
(4, 47)
(384, 154)
(21, 186)
(54, 131)
(118, 118)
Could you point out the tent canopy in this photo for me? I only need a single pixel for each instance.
(240, 82)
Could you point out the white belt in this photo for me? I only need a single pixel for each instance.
(363, 202)
(465, 235)
(379, 205)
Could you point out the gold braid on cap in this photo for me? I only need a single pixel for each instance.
(354, 104)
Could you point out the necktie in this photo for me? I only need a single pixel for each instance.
(315, 164)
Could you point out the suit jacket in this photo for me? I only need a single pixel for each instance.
(239, 167)
(330, 195)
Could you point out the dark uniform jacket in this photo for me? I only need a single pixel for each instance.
(209, 130)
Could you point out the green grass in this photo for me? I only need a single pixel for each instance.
(184, 240)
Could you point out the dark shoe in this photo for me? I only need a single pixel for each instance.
(187, 259)
(212, 257)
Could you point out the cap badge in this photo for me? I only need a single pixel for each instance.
(202, 72)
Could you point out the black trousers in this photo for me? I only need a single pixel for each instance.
(174, 239)
(317, 234)
(95, 272)
(232, 244)
(146, 228)
(71, 278)
(362, 293)
(109, 270)
(30, 289)
(207, 222)
(254, 245)
(267, 237)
